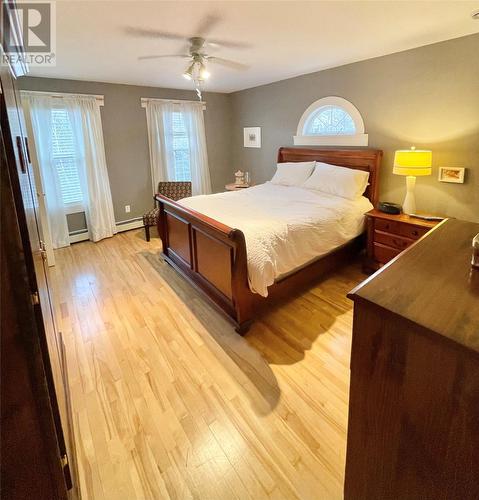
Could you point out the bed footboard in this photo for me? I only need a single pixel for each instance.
(211, 255)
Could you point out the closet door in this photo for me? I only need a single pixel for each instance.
(44, 225)
(50, 340)
(31, 459)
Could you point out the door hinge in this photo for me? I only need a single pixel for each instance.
(35, 298)
(66, 471)
(43, 250)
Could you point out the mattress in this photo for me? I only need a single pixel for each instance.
(284, 227)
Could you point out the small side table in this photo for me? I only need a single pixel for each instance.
(389, 235)
(235, 187)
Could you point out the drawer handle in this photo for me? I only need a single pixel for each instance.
(415, 233)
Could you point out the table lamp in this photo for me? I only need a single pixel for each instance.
(411, 162)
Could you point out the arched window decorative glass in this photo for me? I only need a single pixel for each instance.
(331, 121)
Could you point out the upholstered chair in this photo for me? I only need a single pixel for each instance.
(174, 190)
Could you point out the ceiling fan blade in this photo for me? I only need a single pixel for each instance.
(150, 33)
(206, 25)
(228, 63)
(215, 42)
(182, 56)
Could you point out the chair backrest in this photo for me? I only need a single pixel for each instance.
(175, 190)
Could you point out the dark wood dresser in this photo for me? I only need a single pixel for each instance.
(413, 429)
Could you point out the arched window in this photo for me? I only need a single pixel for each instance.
(331, 121)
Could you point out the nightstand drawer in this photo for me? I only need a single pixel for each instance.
(392, 240)
(413, 232)
(383, 253)
(388, 226)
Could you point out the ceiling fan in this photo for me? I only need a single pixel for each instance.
(196, 49)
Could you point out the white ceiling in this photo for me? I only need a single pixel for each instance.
(286, 38)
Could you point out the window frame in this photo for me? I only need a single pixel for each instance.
(357, 139)
(74, 206)
(187, 149)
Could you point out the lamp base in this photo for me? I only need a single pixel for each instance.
(409, 204)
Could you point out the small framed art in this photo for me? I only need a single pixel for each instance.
(252, 137)
(452, 174)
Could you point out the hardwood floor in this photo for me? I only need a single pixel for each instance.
(169, 402)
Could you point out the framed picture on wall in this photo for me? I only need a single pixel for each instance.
(252, 137)
(451, 174)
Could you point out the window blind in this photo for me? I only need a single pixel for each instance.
(181, 149)
(64, 157)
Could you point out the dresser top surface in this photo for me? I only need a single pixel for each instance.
(433, 284)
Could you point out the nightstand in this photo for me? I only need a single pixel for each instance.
(389, 235)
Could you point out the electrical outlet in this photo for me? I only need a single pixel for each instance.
(127, 209)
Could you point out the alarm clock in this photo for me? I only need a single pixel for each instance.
(389, 208)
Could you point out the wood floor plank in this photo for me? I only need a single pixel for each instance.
(169, 402)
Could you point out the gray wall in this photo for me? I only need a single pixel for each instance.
(126, 139)
(427, 97)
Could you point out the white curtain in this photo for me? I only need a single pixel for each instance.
(84, 113)
(159, 118)
(159, 115)
(40, 110)
(84, 116)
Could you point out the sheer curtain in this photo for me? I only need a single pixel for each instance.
(89, 158)
(39, 109)
(159, 118)
(161, 138)
(84, 114)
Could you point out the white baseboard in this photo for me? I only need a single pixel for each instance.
(78, 236)
(124, 225)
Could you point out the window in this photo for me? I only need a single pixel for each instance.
(331, 121)
(64, 157)
(177, 143)
(181, 148)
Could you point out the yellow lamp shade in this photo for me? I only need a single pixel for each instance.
(412, 162)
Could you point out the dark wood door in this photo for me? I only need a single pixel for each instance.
(19, 181)
(53, 347)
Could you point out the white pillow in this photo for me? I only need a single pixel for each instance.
(292, 173)
(339, 181)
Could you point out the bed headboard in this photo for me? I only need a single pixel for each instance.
(360, 159)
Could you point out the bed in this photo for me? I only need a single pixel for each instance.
(206, 238)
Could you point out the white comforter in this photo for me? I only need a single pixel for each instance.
(284, 227)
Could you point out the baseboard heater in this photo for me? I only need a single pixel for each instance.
(123, 225)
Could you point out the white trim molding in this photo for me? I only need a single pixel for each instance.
(60, 95)
(127, 225)
(145, 100)
(358, 139)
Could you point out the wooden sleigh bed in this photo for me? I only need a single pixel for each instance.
(212, 256)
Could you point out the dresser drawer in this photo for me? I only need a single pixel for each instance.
(392, 240)
(414, 232)
(383, 253)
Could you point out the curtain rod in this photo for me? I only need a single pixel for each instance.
(61, 95)
(144, 100)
